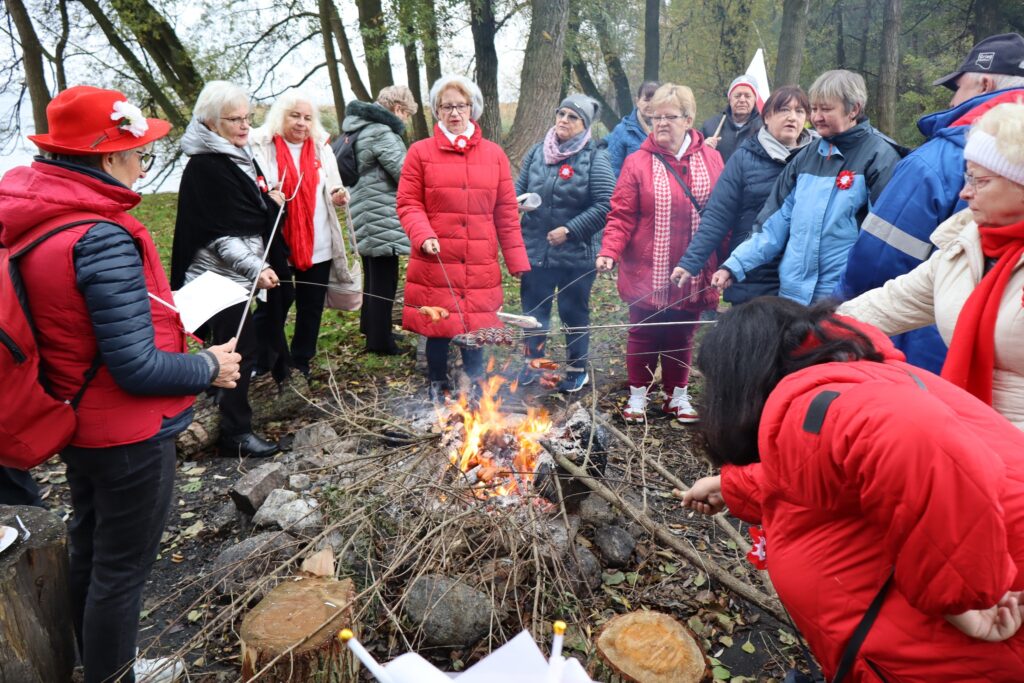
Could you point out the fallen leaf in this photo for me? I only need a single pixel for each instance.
(720, 673)
(613, 579)
(194, 615)
(748, 647)
(193, 529)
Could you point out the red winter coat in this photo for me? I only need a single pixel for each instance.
(466, 200)
(629, 231)
(929, 481)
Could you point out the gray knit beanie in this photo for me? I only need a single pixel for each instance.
(587, 108)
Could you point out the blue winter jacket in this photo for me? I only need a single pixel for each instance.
(738, 197)
(624, 139)
(580, 202)
(924, 191)
(810, 220)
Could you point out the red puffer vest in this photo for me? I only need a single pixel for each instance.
(107, 415)
(926, 480)
(465, 198)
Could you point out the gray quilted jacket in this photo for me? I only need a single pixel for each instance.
(239, 259)
(380, 153)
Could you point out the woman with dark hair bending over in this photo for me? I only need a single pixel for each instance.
(862, 468)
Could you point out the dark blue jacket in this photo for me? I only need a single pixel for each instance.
(924, 191)
(579, 202)
(735, 202)
(731, 136)
(624, 139)
(810, 220)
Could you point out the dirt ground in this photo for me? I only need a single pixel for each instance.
(743, 643)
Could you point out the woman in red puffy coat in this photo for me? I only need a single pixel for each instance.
(860, 467)
(456, 201)
(652, 220)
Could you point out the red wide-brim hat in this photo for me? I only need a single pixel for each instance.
(87, 120)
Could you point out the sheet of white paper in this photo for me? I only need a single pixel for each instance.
(205, 296)
(411, 668)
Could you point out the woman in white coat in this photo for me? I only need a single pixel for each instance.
(972, 287)
(292, 144)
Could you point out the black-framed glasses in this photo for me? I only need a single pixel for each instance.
(239, 120)
(569, 116)
(146, 159)
(449, 108)
(671, 118)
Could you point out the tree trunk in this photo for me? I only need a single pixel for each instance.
(431, 46)
(609, 115)
(484, 29)
(407, 18)
(791, 42)
(652, 39)
(375, 44)
(155, 90)
(355, 81)
(332, 59)
(32, 59)
(840, 36)
(865, 37)
(35, 607)
(990, 18)
(158, 38)
(612, 61)
(62, 43)
(888, 70)
(296, 624)
(540, 83)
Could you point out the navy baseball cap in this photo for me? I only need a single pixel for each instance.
(1002, 54)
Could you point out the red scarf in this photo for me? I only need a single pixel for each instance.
(298, 222)
(972, 353)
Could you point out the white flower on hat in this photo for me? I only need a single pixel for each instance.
(133, 119)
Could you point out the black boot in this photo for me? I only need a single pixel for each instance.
(439, 392)
(247, 445)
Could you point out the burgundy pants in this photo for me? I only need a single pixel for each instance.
(672, 343)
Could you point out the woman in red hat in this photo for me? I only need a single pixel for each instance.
(96, 294)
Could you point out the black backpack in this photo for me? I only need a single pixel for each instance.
(344, 149)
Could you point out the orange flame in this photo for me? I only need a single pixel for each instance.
(486, 425)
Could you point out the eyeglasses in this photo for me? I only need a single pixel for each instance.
(972, 180)
(786, 111)
(239, 120)
(671, 118)
(567, 115)
(449, 108)
(146, 160)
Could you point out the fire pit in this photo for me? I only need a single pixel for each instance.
(505, 456)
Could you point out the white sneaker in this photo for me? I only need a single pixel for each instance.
(158, 670)
(679, 406)
(636, 409)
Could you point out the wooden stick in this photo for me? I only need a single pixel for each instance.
(713, 569)
(720, 124)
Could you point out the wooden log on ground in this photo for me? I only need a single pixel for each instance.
(290, 634)
(268, 404)
(650, 647)
(37, 643)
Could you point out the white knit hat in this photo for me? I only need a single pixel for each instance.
(982, 149)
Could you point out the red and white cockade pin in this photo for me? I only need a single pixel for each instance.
(844, 181)
(758, 554)
(565, 172)
(461, 143)
(261, 183)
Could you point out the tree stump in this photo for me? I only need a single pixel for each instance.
(296, 623)
(649, 647)
(37, 642)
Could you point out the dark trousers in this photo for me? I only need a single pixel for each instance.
(121, 498)
(437, 360)
(310, 292)
(573, 308)
(17, 487)
(380, 283)
(235, 411)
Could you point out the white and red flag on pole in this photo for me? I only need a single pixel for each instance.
(759, 74)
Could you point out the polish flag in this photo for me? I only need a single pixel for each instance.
(759, 73)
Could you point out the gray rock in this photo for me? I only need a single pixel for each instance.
(596, 511)
(267, 513)
(315, 438)
(299, 516)
(299, 482)
(238, 566)
(252, 489)
(560, 536)
(224, 518)
(615, 545)
(584, 568)
(446, 611)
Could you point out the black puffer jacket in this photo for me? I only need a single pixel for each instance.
(579, 202)
(733, 136)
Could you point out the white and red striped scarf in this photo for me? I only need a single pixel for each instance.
(700, 186)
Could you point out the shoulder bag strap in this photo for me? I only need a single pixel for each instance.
(682, 184)
(861, 632)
